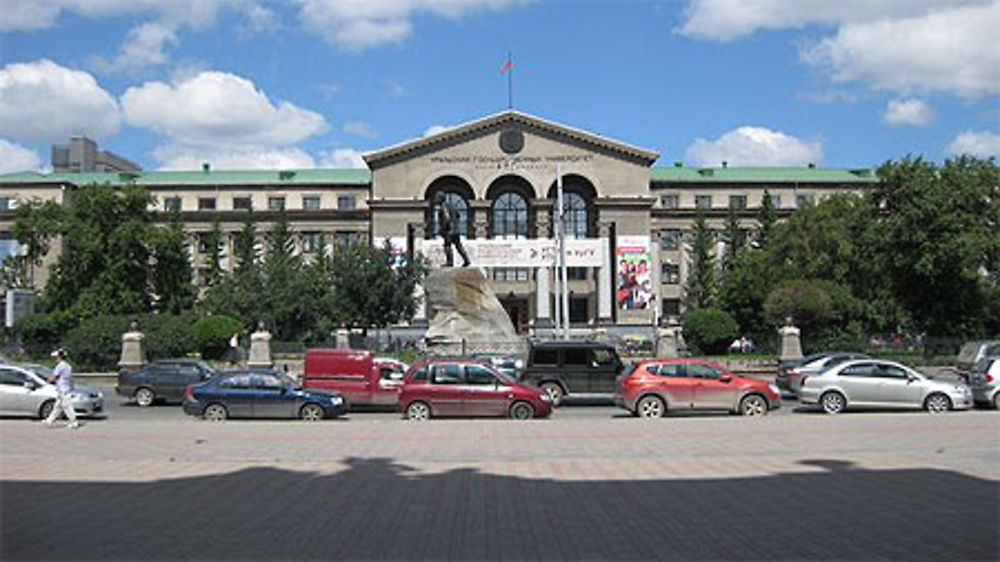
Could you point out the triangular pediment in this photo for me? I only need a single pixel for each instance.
(528, 124)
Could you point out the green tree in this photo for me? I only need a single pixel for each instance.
(171, 275)
(744, 290)
(701, 282)
(767, 217)
(709, 330)
(734, 238)
(214, 241)
(35, 223)
(939, 245)
(283, 283)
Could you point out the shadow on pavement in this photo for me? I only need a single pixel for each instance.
(377, 509)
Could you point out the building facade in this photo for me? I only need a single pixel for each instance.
(627, 222)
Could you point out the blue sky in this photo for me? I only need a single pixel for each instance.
(303, 83)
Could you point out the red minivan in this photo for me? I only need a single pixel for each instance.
(655, 386)
(356, 374)
(464, 387)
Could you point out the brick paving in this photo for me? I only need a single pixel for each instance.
(899, 486)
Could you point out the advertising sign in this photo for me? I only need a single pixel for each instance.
(634, 283)
(520, 253)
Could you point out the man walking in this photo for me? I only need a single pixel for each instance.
(62, 377)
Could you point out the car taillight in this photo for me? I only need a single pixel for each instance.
(989, 379)
(188, 393)
(803, 381)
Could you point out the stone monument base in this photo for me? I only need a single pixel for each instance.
(465, 316)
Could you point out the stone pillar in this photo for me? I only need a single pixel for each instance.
(343, 340)
(669, 343)
(605, 298)
(420, 317)
(260, 348)
(543, 297)
(133, 355)
(791, 345)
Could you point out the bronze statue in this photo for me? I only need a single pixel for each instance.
(447, 219)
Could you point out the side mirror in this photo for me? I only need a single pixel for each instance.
(726, 378)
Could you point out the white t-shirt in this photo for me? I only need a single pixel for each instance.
(64, 376)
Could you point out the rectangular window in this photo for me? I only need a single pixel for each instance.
(204, 242)
(346, 238)
(671, 307)
(346, 203)
(311, 241)
(310, 202)
(576, 273)
(206, 203)
(546, 357)
(776, 200)
(670, 273)
(575, 356)
(670, 201)
(578, 311)
(703, 201)
(275, 203)
(172, 204)
(803, 200)
(5, 204)
(737, 201)
(510, 274)
(670, 239)
(242, 204)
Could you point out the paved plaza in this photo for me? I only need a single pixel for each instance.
(590, 483)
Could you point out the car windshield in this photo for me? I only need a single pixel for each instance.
(40, 370)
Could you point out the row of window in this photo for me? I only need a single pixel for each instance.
(509, 215)
(274, 203)
(673, 201)
(524, 273)
(310, 241)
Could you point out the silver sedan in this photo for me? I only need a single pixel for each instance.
(872, 383)
(24, 390)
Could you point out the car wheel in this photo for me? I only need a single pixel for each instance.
(554, 391)
(996, 401)
(753, 405)
(311, 412)
(144, 397)
(522, 411)
(833, 402)
(937, 403)
(216, 412)
(418, 411)
(651, 407)
(46, 409)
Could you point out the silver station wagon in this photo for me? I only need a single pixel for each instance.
(871, 383)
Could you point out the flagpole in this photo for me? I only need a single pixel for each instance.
(510, 82)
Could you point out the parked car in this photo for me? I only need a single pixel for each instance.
(251, 393)
(790, 378)
(972, 352)
(163, 380)
(24, 389)
(656, 386)
(506, 364)
(870, 383)
(984, 379)
(466, 387)
(563, 368)
(355, 374)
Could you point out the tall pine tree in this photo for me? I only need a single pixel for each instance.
(701, 283)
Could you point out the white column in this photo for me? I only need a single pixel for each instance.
(604, 273)
(543, 296)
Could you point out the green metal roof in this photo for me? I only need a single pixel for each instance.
(733, 174)
(312, 176)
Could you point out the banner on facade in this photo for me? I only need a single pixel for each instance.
(519, 253)
(634, 288)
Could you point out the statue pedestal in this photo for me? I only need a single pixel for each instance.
(133, 356)
(791, 345)
(465, 316)
(668, 344)
(343, 339)
(260, 349)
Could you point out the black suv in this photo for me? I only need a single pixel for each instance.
(562, 368)
(164, 379)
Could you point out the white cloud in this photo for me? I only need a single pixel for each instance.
(977, 143)
(725, 20)
(143, 46)
(435, 129)
(395, 90)
(16, 158)
(754, 146)
(245, 158)
(360, 129)
(42, 101)
(360, 24)
(952, 50)
(218, 109)
(912, 111)
(342, 158)
(28, 15)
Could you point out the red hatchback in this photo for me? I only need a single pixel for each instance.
(462, 387)
(658, 385)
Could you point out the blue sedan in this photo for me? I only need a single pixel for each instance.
(259, 394)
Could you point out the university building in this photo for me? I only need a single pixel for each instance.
(627, 221)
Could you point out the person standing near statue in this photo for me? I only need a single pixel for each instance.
(62, 377)
(447, 219)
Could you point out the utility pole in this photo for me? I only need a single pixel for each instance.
(563, 274)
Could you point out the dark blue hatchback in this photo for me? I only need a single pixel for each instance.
(259, 394)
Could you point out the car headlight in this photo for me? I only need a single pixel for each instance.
(336, 399)
(545, 397)
(773, 388)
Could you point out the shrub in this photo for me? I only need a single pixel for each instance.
(806, 302)
(41, 333)
(709, 331)
(212, 334)
(168, 335)
(96, 344)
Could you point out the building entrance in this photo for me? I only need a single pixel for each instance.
(517, 310)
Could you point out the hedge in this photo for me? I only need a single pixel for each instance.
(709, 331)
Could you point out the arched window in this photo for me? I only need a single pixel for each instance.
(457, 202)
(510, 216)
(575, 208)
